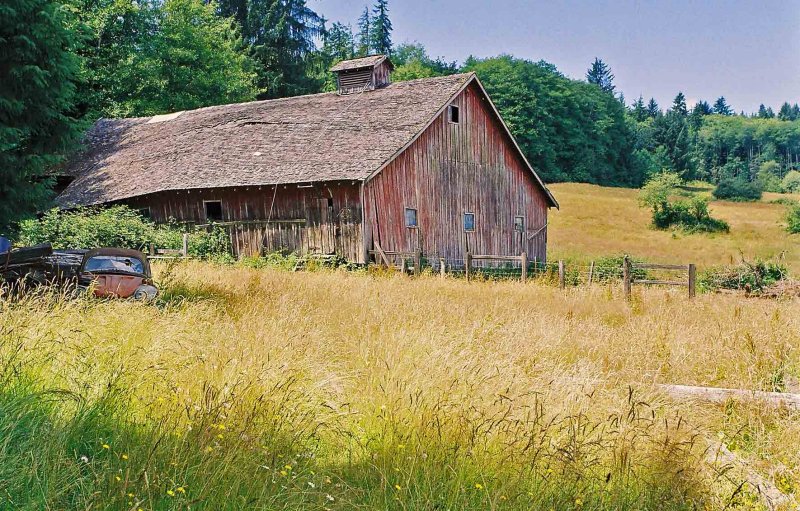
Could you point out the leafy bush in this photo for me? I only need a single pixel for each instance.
(117, 226)
(751, 276)
(793, 219)
(791, 182)
(767, 176)
(691, 214)
(737, 189)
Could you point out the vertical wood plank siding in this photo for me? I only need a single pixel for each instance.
(452, 169)
(302, 218)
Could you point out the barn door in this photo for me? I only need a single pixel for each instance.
(327, 229)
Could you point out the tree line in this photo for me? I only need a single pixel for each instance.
(66, 63)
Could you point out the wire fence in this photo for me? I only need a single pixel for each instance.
(561, 273)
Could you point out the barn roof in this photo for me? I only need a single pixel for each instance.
(369, 61)
(319, 137)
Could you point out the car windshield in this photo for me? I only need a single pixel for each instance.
(102, 263)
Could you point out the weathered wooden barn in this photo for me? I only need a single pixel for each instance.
(419, 165)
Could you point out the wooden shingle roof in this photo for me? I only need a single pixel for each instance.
(319, 137)
(369, 61)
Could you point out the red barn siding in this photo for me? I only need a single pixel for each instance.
(452, 169)
(301, 219)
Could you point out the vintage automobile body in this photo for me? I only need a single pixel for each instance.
(108, 272)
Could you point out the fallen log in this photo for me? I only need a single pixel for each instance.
(720, 395)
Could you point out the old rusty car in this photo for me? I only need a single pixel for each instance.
(107, 272)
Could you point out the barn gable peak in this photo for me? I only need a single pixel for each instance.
(362, 74)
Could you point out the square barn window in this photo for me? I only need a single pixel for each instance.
(469, 222)
(213, 209)
(519, 223)
(452, 114)
(411, 217)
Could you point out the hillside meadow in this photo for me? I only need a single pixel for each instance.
(595, 221)
(246, 388)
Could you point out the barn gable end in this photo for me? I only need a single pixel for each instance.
(470, 167)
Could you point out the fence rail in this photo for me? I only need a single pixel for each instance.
(628, 276)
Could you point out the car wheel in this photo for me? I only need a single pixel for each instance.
(145, 293)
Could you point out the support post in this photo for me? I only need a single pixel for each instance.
(442, 268)
(626, 277)
(417, 262)
(692, 280)
(523, 259)
(561, 274)
(152, 249)
(185, 246)
(591, 273)
(467, 265)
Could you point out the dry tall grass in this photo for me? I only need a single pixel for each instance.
(596, 221)
(264, 389)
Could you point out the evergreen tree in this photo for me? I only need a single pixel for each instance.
(381, 34)
(770, 113)
(37, 94)
(795, 112)
(600, 74)
(679, 104)
(785, 113)
(364, 33)
(652, 108)
(762, 111)
(339, 43)
(702, 108)
(721, 107)
(638, 109)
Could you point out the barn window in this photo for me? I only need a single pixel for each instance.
(213, 209)
(519, 223)
(411, 217)
(469, 222)
(453, 114)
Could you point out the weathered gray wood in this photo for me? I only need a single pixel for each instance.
(652, 266)
(661, 282)
(489, 257)
(591, 273)
(185, 246)
(626, 277)
(418, 262)
(561, 274)
(523, 259)
(467, 265)
(692, 280)
(442, 268)
(721, 395)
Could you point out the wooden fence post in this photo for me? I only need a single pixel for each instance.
(185, 246)
(442, 268)
(626, 277)
(152, 249)
(403, 266)
(523, 259)
(561, 275)
(591, 273)
(417, 262)
(467, 265)
(692, 280)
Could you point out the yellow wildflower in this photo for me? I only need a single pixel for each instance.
(503, 497)
(106, 446)
(284, 473)
(478, 486)
(124, 456)
(220, 436)
(578, 502)
(288, 467)
(118, 478)
(170, 493)
(180, 489)
(397, 487)
(209, 449)
(131, 495)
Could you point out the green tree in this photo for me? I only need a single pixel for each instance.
(600, 74)
(37, 94)
(196, 59)
(381, 30)
(411, 61)
(653, 110)
(364, 42)
(639, 110)
(721, 107)
(339, 43)
(679, 105)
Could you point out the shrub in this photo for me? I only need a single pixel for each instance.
(737, 189)
(117, 226)
(767, 176)
(791, 182)
(793, 219)
(752, 276)
(689, 215)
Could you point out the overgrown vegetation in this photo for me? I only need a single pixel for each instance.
(752, 277)
(118, 226)
(256, 388)
(737, 189)
(793, 219)
(691, 215)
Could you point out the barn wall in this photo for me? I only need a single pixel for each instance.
(303, 219)
(452, 169)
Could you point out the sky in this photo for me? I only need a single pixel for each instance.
(747, 51)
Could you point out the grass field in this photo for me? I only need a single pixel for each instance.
(596, 221)
(265, 389)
